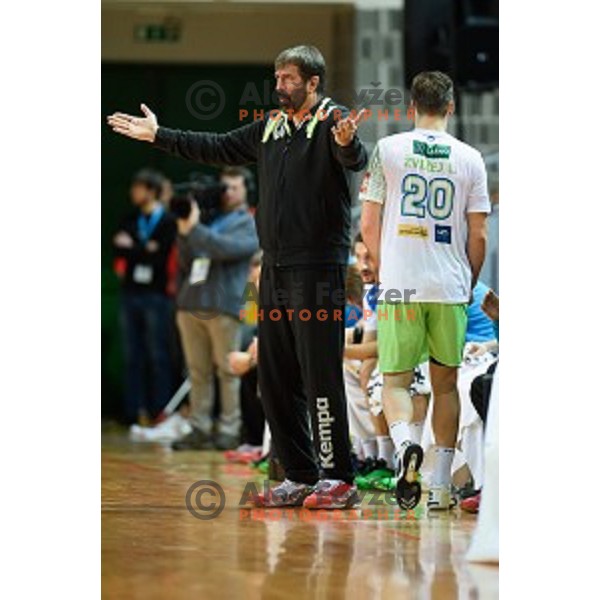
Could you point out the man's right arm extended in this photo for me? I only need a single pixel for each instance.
(237, 147)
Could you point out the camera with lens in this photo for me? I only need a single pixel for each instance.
(205, 190)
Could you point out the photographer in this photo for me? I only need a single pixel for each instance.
(214, 260)
(142, 246)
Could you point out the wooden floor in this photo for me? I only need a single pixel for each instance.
(154, 547)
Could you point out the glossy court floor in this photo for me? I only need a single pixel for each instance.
(154, 547)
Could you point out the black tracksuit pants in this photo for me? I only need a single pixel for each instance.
(300, 353)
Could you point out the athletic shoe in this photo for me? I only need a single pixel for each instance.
(226, 441)
(332, 494)
(195, 440)
(288, 493)
(247, 458)
(471, 504)
(379, 469)
(441, 497)
(366, 466)
(386, 483)
(239, 450)
(137, 433)
(408, 485)
(466, 491)
(246, 455)
(262, 464)
(172, 428)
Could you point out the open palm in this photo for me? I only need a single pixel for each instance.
(138, 128)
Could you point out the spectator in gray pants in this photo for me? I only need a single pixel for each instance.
(214, 260)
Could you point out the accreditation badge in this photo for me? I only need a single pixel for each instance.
(143, 274)
(199, 271)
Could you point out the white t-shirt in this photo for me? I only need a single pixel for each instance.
(427, 181)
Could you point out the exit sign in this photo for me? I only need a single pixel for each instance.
(158, 32)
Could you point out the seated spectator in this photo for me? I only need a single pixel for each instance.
(481, 387)
(480, 328)
(243, 364)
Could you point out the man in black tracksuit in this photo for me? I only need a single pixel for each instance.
(303, 223)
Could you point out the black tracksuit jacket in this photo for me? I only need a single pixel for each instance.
(303, 214)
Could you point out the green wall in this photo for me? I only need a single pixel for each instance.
(163, 88)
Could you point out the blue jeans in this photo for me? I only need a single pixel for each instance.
(146, 326)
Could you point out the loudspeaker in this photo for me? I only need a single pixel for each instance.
(427, 33)
(475, 47)
(459, 37)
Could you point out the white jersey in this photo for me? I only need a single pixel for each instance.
(427, 181)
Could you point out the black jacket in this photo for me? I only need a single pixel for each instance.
(164, 234)
(303, 214)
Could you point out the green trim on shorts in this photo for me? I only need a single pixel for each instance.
(409, 334)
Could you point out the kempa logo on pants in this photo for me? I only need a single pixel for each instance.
(326, 445)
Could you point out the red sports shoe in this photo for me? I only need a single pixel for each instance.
(247, 458)
(332, 494)
(471, 505)
(244, 454)
(288, 493)
(231, 455)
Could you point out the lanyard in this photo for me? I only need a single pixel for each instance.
(278, 126)
(146, 226)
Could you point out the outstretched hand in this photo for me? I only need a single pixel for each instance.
(344, 130)
(138, 128)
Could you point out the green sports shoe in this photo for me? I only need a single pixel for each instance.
(386, 483)
(380, 470)
(263, 466)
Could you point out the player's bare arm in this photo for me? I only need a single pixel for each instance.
(361, 351)
(476, 243)
(370, 228)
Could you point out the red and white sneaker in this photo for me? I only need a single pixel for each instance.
(288, 493)
(244, 454)
(332, 494)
